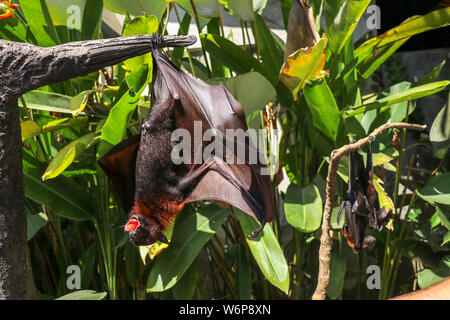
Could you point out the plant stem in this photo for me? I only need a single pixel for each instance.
(219, 16)
(258, 50)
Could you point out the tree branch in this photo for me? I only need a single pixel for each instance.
(325, 240)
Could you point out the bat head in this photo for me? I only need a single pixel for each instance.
(144, 230)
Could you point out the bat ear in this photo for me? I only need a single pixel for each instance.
(163, 238)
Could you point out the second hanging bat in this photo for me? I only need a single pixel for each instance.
(153, 187)
(361, 203)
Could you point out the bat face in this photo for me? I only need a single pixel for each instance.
(143, 230)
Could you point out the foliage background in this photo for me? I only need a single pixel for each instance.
(318, 97)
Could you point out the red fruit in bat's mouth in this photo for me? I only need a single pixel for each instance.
(132, 224)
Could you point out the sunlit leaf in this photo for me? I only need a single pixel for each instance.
(34, 223)
(29, 129)
(437, 189)
(345, 23)
(191, 232)
(137, 7)
(68, 154)
(303, 207)
(440, 131)
(338, 267)
(266, 251)
(262, 90)
(138, 26)
(303, 65)
(410, 94)
(414, 25)
(84, 295)
(324, 110)
(79, 102)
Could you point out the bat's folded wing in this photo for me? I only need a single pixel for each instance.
(119, 164)
(240, 184)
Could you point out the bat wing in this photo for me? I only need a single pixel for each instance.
(240, 184)
(119, 164)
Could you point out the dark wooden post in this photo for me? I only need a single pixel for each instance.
(24, 67)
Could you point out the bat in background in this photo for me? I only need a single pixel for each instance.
(153, 189)
(361, 202)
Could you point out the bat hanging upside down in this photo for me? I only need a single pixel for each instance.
(361, 203)
(153, 189)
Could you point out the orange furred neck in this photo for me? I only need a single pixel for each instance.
(163, 210)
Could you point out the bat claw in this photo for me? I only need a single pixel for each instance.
(256, 232)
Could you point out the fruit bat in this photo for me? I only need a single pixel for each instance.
(153, 187)
(361, 202)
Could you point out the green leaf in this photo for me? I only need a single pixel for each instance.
(243, 284)
(235, 58)
(437, 190)
(83, 295)
(40, 22)
(177, 53)
(332, 9)
(68, 154)
(373, 61)
(337, 275)
(92, 20)
(34, 223)
(137, 7)
(266, 251)
(398, 110)
(443, 212)
(87, 264)
(427, 278)
(333, 221)
(303, 65)
(205, 8)
(323, 107)
(243, 9)
(29, 129)
(61, 194)
(345, 23)
(191, 232)
(414, 25)
(15, 30)
(303, 207)
(79, 102)
(440, 131)
(125, 104)
(47, 101)
(446, 238)
(410, 94)
(185, 288)
(270, 56)
(262, 90)
(432, 75)
(132, 263)
(138, 26)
